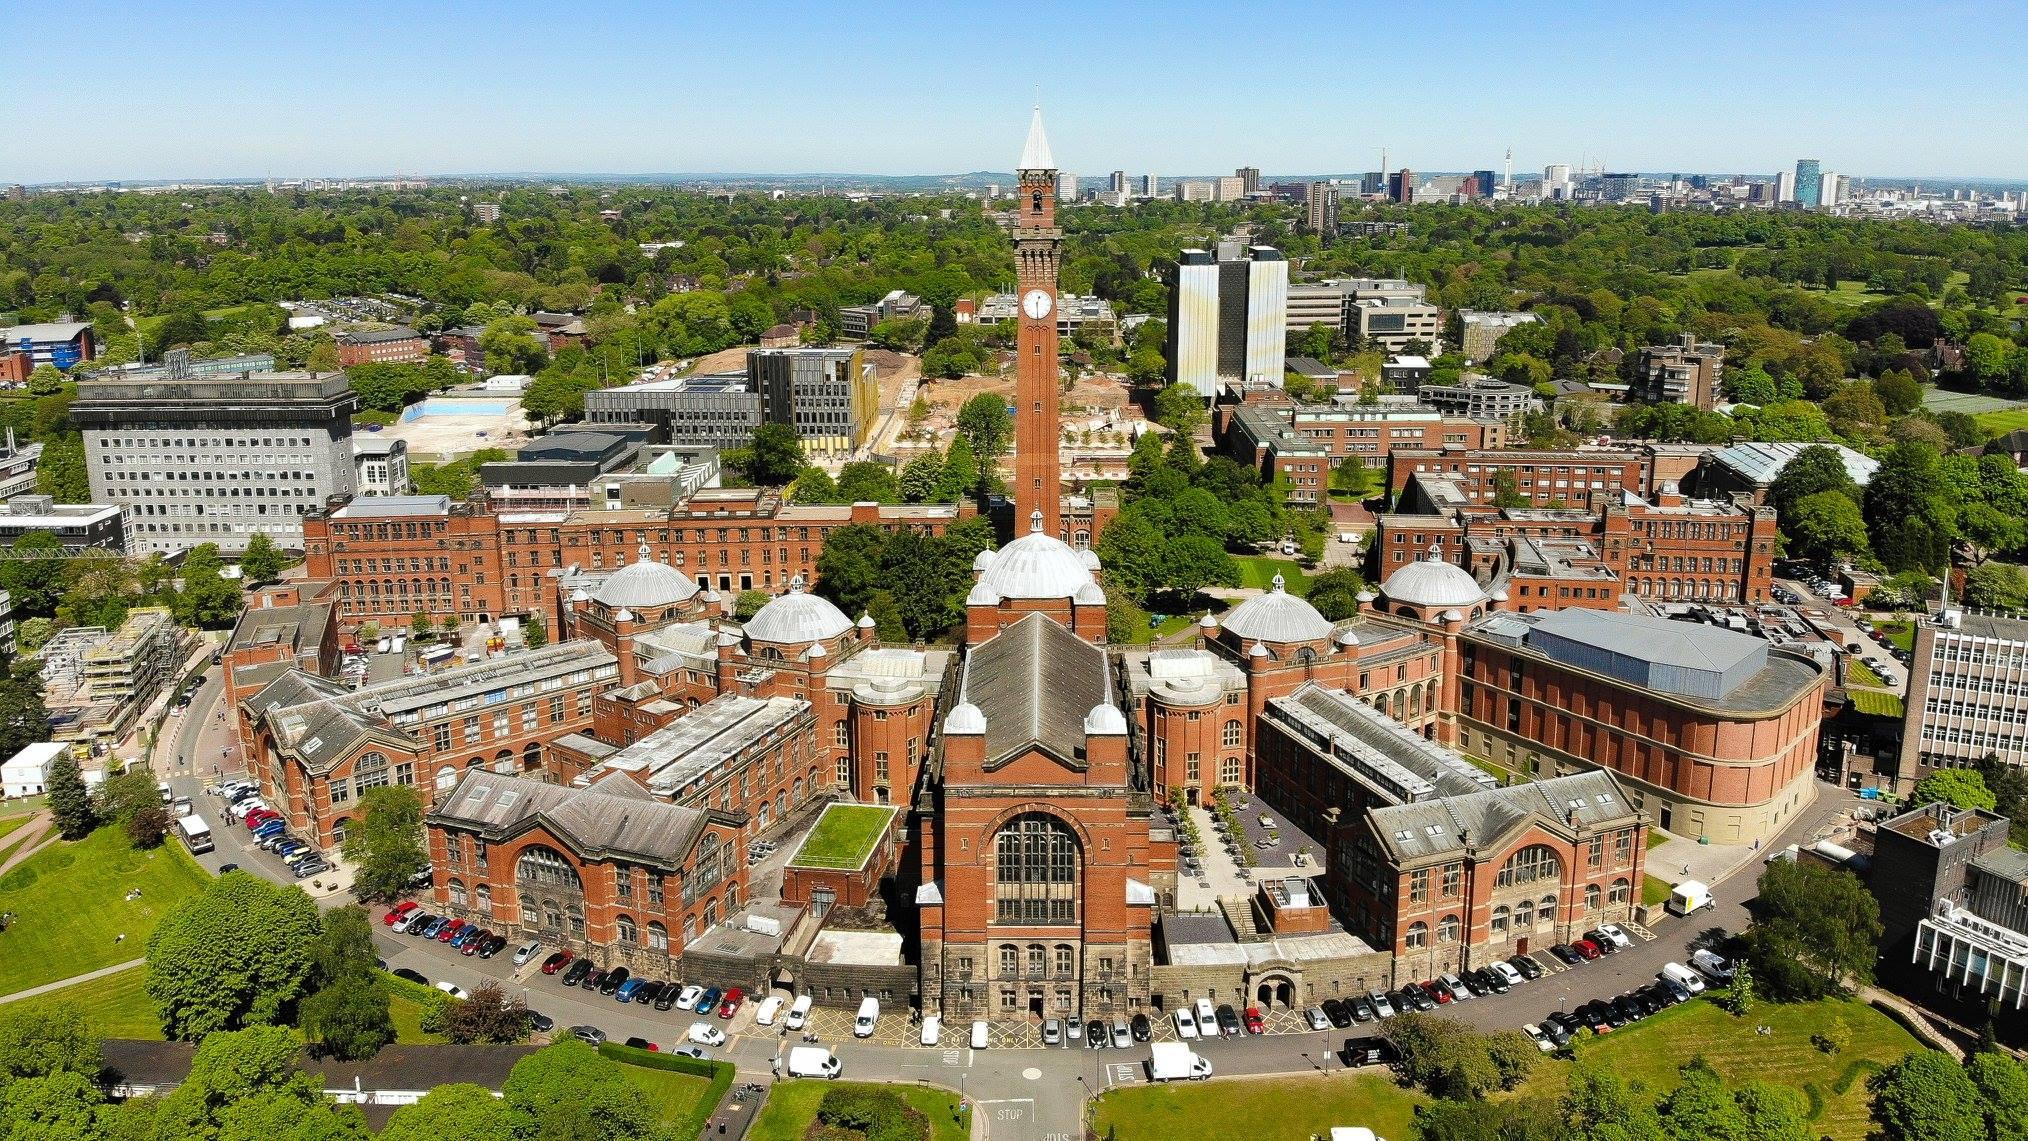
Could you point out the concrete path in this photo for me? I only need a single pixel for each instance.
(59, 984)
(32, 838)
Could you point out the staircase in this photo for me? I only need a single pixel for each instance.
(1239, 913)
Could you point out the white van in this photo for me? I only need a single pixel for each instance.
(770, 1009)
(979, 1034)
(1207, 1018)
(1683, 976)
(799, 1012)
(869, 1014)
(1186, 1023)
(932, 1030)
(813, 1062)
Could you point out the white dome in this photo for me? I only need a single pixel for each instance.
(645, 584)
(1348, 637)
(1037, 566)
(1207, 622)
(1277, 616)
(965, 721)
(982, 560)
(1105, 721)
(797, 617)
(1433, 583)
(866, 621)
(1089, 595)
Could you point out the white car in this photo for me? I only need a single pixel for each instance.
(1207, 1018)
(1712, 965)
(686, 999)
(1540, 1039)
(932, 1030)
(1186, 1024)
(770, 1009)
(452, 989)
(704, 1034)
(527, 951)
(1506, 971)
(1620, 938)
(799, 1012)
(980, 1036)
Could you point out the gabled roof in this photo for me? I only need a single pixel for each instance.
(614, 816)
(1446, 825)
(1035, 681)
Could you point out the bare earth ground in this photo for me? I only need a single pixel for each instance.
(1096, 403)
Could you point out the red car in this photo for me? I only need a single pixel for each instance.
(395, 913)
(450, 930)
(260, 816)
(729, 1005)
(557, 962)
(1438, 991)
(1254, 1025)
(1587, 948)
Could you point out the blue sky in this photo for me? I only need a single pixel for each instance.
(230, 88)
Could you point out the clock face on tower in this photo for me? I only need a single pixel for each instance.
(1036, 303)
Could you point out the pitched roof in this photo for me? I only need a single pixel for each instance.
(1035, 681)
(615, 816)
(1445, 826)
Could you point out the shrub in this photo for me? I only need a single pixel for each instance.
(876, 1114)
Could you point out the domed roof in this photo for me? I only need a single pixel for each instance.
(797, 617)
(1277, 616)
(1037, 566)
(1105, 720)
(1433, 583)
(965, 720)
(646, 583)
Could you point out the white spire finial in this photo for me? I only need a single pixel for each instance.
(796, 585)
(644, 552)
(1278, 584)
(1035, 521)
(1035, 155)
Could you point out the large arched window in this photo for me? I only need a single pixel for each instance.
(1035, 871)
(1447, 929)
(1591, 897)
(1418, 936)
(1235, 733)
(1545, 912)
(446, 777)
(457, 894)
(1524, 914)
(1501, 916)
(1621, 891)
(658, 937)
(628, 932)
(1535, 862)
(485, 895)
(546, 867)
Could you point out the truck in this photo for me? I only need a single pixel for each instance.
(1688, 896)
(1173, 1061)
(812, 1062)
(195, 832)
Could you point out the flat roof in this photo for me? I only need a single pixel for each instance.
(844, 837)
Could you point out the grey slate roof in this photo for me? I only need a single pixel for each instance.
(1374, 748)
(613, 817)
(1431, 828)
(1035, 681)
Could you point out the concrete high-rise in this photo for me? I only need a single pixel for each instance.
(1785, 186)
(1320, 208)
(1038, 252)
(1556, 180)
(1809, 189)
(1148, 185)
(1249, 176)
(1066, 187)
(1228, 320)
(1118, 183)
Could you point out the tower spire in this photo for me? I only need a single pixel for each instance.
(1037, 253)
(1035, 154)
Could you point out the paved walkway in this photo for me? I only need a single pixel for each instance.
(32, 838)
(59, 984)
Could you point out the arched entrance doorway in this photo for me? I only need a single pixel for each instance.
(1275, 991)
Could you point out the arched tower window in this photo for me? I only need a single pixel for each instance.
(1035, 872)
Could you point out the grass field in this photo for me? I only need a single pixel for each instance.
(9, 847)
(2001, 423)
(69, 904)
(1654, 891)
(1280, 1109)
(1653, 1050)
(1877, 703)
(1900, 635)
(10, 823)
(1260, 571)
(1859, 673)
(117, 1005)
(792, 1106)
(674, 1096)
(22, 806)
(844, 836)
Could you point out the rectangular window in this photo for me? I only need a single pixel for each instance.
(1418, 886)
(556, 709)
(623, 882)
(471, 730)
(880, 768)
(444, 737)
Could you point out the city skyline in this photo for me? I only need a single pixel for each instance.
(892, 93)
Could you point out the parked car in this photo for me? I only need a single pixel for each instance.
(1559, 1028)
(452, 989)
(1186, 1023)
(1254, 1023)
(982, 1035)
(1536, 1035)
(1228, 1021)
(1594, 1015)
(1362, 1008)
(540, 1023)
(1506, 973)
(1052, 1031)
(557, 961)
(1095, 1034)
(309, 868)
(1383, 1006)
(1601, 940)
(625, 991)
(667, 999)
(1336, 1013)
(730, 1004)
(494, 946)
(1567, 954)
(413, 976)
(687, 999)
(648, 991)
(399, 912)
(1587, 949)
(1616, 935)
(770, 1009)
(449, 930)
(589, 1035)
(527, 951)
(708, 1001)
(1143, 1029)
(436, 925)
(933, 1030)
(1460, 992)
(1526, 964)
(578, 972)
(1711, 965)
(639, 1043)
(1122, 1036)
(613, 980)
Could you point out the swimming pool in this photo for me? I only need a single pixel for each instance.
(456, 408)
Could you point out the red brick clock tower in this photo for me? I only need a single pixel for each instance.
(1038, 247)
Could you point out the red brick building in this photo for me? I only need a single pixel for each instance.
(381, 346)
(1306, 442)
(1582, 478)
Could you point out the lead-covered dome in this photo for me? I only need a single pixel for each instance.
(646, 584)
(1277, 616)
(797, 617)
(1433, 583)
(1036, 566)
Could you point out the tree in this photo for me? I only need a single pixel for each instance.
(921, 478)
(568, 1091)
(511, 346)
(1927, 1096)
(1911, 509)
(33, 575)
(69, 802)
(125, 794)
(849, 568)
(1702, 1108)
(245, 1086)
(534, 632)
(235, 955)
(1179, 407)
(1739, 996)
(1815, 931)
(748, 604)
(1813, 470)
(2002, 1082)
(386, 848)
(1507, 490)
(487, 1016)
(1826, 527)
(1964, 788)
(1447, 1059)
(208, 599)
(262, 560)
(60, 473)
(777, 455)
(63, 1105)
(146, 827)
(349, 1017)
(1353, 479)
(421, 626)
(37, 1040)
(457, 1110)
(866, 481)
(46, 380)
(987, 427)
(1599, 1105)
(1996, 586)
(961, 471)
(1899, 392)
(1773, 1113)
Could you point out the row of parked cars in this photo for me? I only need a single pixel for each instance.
(271, 831)
(1673, 984)
(408, 918)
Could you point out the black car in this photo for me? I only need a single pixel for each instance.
(1228, 1022)
(1619, 1012)
(1339, 1014)
(1096, 1035)
(1648, 1001)
(1526, 964)
(1362, 1009)
(1367, 1052)
(667, 998)
(1485, 981)
(1567, 954)
(1594, 1015)
(648, 992)
(592, 980)
(613, 979)
(493, 946)
(1142, 1028)
(418, 923)
(540, 1023)
(1605, 943)
(1419, 998)
(412, 976)
(576, 972)
(1557, 1030)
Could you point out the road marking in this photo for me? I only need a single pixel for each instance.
(1031, 1073)
(954, 1058)
(1123, 1073)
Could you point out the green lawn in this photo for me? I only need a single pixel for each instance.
(674, 1096)
(844, 836)
(69, 904)
(117, 1005)
(1859, 673)
(1654, 891)
(1277, 1109)
(1877, 703)
(10, 823)
(8, 849)
(792, 1106)
(1260, 571)
(1653, 1050)
(22, 806)
(2001, 423)
(1900, 635)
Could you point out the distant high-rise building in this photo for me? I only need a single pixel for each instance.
(1228, 320)
(1401, 186)
(1373, 182)
(1320, 208)
(1556, 180)
(1229, 189)
(1119, 182)
(17, 193)
(1829, 192)
(488, 212)
(1809, 186)
(1148, 184)
(1618, 187)
(1785, 186)
(1486, 183)
(1193, 190)
(1249, 177)
(1066, 187)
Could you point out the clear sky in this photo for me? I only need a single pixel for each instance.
(103, 89)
